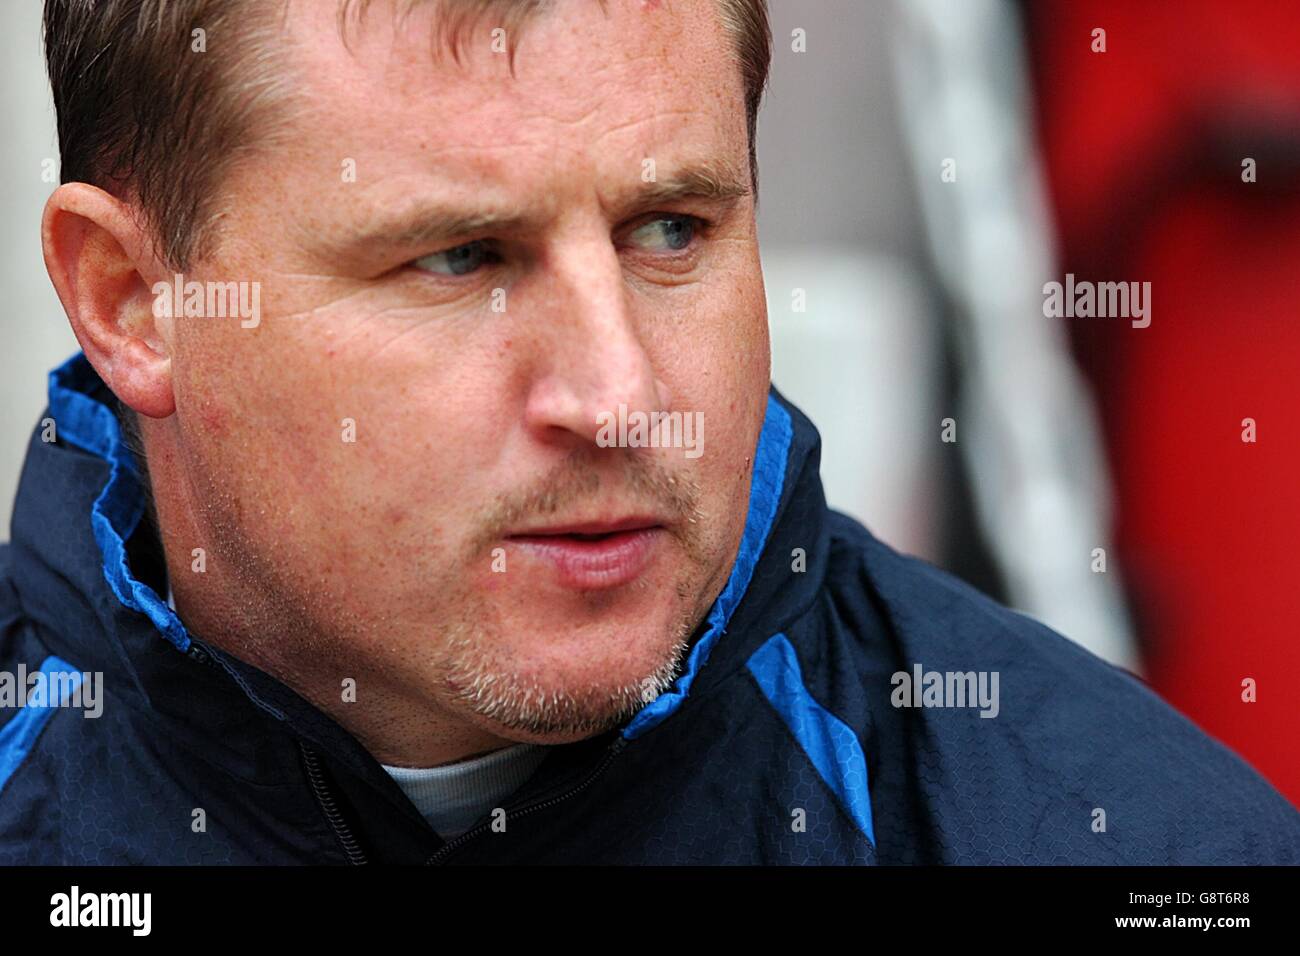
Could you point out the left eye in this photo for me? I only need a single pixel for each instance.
(669, 233)
(457, 261)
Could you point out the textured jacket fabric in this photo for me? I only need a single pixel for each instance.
(786, 738)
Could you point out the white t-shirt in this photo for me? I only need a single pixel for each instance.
(452, 797)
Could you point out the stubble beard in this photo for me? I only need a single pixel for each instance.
(481, 681)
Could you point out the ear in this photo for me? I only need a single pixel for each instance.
(99, 260)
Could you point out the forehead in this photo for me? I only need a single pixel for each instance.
(594, 89)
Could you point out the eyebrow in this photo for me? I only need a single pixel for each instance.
(715, 182)
(426, 225)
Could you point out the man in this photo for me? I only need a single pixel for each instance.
(421, 349)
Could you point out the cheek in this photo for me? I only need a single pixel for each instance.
(719, 359)
(394, 438)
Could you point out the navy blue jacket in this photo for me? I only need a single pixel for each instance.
(781, 742)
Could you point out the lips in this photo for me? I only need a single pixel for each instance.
(594, 555)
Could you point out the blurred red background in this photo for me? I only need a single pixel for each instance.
(1144, 146)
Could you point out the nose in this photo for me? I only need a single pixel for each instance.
(591, 358)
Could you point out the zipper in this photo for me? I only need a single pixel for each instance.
(329, 806)
(451, 847)
(352, 848)
(343, 832)
(315, 773)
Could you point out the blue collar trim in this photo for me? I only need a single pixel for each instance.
(764, 497)
(89, 424)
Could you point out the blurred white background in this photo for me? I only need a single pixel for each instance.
(33, 330)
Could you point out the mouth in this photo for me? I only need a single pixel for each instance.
(594, 555)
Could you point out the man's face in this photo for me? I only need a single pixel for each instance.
(401, 461)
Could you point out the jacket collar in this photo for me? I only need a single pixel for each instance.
(95, 585)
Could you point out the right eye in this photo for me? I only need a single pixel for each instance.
(456, 261)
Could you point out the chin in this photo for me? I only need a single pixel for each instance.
(561, 684)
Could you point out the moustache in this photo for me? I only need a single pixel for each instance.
(577, 480)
